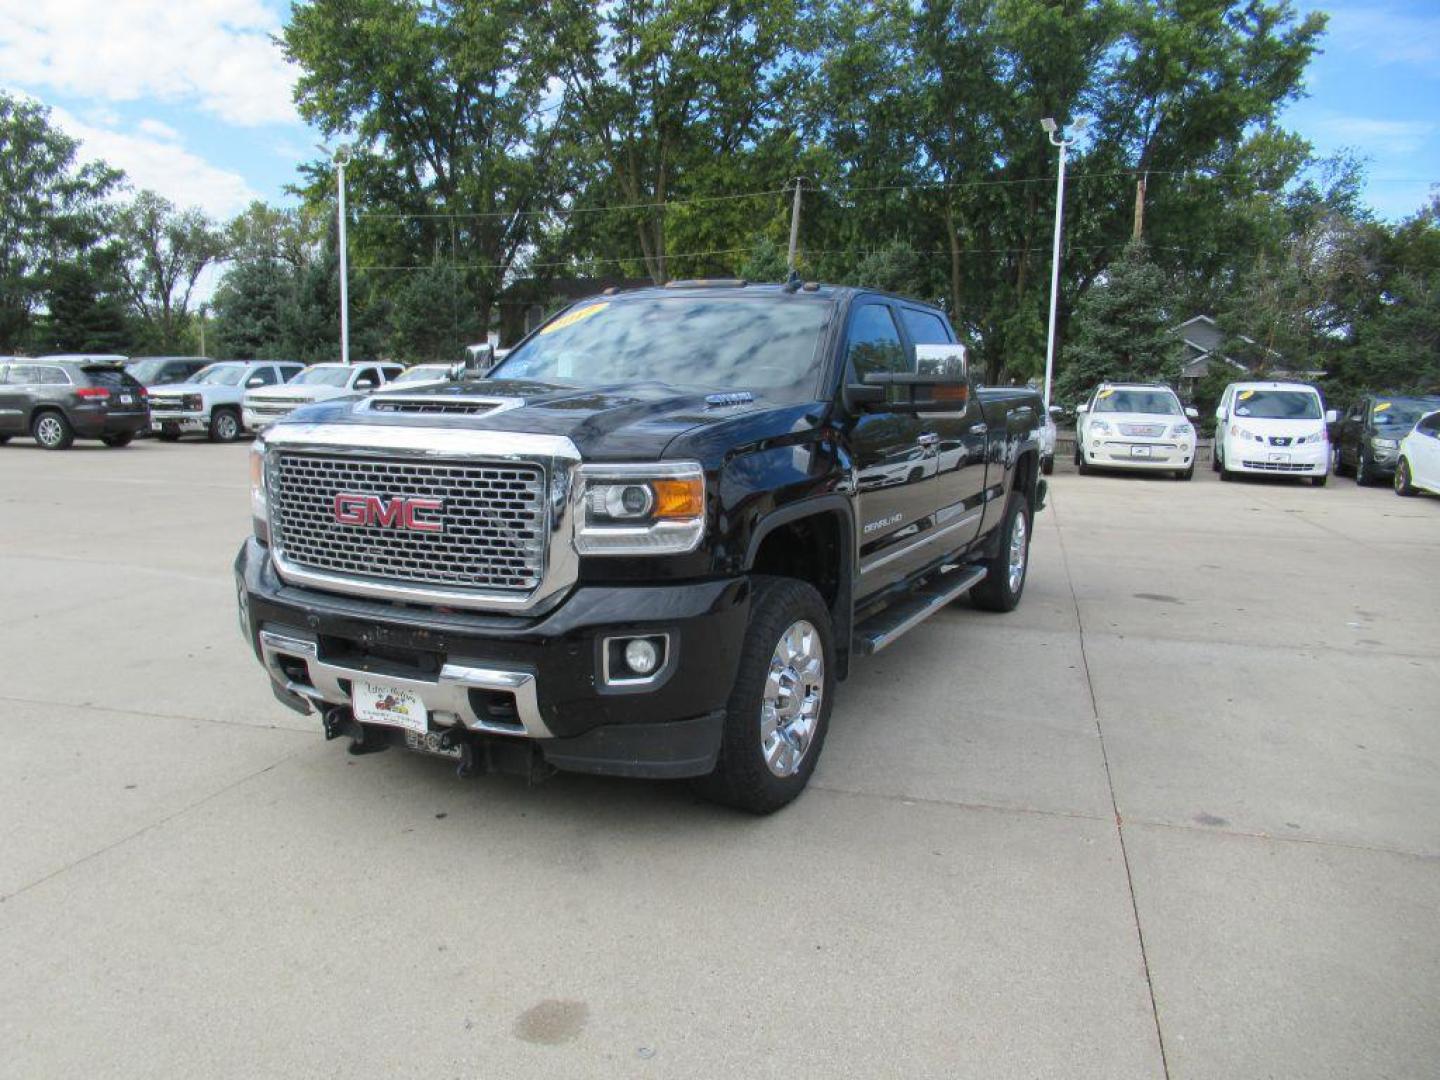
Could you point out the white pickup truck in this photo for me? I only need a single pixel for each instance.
(211, 403)
(318, 382)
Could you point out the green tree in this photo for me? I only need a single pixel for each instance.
(268, 251)
(166, 249)
(431, 317)
(52, 212)
(1120, 330)
(84, 307)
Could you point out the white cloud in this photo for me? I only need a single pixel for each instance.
(1377, 136)
(1382, 33)
(216, 55)
(158, 161)
(159, 130)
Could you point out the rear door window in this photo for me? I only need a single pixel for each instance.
(924, 327)
(50, 376)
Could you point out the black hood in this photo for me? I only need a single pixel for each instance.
(629, 422)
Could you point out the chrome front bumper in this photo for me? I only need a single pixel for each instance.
(447, 699)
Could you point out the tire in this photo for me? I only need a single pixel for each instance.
(1337, 460)
(1363, 476)
(124, 438)
(1004, 582)
(1215, 456)
(224, 426)
(1403, 484)
(1079, 457)
(789, 632)
(51, 430)
(1047, 465)
(1186, 474)
(1319, 481)
(4, 439)
(168, 436)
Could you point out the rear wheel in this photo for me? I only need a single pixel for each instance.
(1005, 572)
(166, 435)
(1404, 485)
(779, 708)
(1364, 471)
(1337, 460)
(1047, 465)
(122, 438)
(4, 439)
(52, 431)
(224, 425)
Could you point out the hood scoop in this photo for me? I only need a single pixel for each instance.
(435, 404)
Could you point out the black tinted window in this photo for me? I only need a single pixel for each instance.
(924, 328)
(266, 375)
(874, 344)
(111, 379)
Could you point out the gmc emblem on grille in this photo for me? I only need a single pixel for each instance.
(396, 513)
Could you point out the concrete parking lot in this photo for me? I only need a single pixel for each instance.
(1178, 816)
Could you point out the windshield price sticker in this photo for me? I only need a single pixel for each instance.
(1382, 406)
(1246, 395)
(574, 317)
(1105, 393)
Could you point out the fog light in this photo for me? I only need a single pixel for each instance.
(641, 656)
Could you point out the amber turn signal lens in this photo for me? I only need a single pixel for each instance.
(678, 498)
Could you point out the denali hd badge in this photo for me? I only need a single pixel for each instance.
(396, 513)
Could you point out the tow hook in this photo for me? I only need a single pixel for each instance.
(340, 721)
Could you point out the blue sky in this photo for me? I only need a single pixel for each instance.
(192, 99)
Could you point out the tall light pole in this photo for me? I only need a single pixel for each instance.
(342, 158)
(1057, 138)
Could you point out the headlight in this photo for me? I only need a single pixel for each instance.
(1237, 430)
(259, 496)
(641, 509)
(1385, 444)
(1314, 437)
(1182, 431)
(193, 402)
(1099, 427)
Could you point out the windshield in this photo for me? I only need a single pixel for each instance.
(322, 376)
(218, 375)
(415, 374)
(705, 342)
(1401, 412)
(1278, 404)
(144, 370)
(1153, 402)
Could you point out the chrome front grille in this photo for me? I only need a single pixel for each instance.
(1149, 430)
(165, 403)
(492, 517)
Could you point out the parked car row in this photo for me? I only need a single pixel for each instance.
(57, 399)
(1264, 428)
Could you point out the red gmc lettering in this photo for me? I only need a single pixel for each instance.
(396, 513)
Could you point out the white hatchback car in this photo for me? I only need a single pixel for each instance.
(1135, 426)
(1272, 429)
(1419, 464)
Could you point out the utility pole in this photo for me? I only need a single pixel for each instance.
(1140, 183)
(1058, 139)
(342, 158)
(202, 329)
(794, 224)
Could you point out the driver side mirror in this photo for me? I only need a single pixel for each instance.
(255, 380)
(1332, 416)
(1081, 409)
(940, 383)
(1056, 410)
(1192, 413)
(1220, 413)
(367, 383)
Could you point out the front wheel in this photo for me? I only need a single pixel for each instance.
(1364, 474)
(117, 440)
(779, 708)
(224, 426)
(1404, 485)
(1005, 571)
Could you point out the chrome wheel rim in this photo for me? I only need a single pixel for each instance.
(790, 706)
(1017, 553)
(48, 430)
(226, 427)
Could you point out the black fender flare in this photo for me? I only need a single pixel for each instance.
(843, 611)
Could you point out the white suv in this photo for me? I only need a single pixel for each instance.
(1272, 428)
(1135, 426)
(318, 382)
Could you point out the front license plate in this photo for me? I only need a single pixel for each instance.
(429, 743)
(156, 425)
(377, 703)
(1281, 458)
(1139, 451)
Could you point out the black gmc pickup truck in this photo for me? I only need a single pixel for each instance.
(648, 543)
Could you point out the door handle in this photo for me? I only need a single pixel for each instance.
(928, 438)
